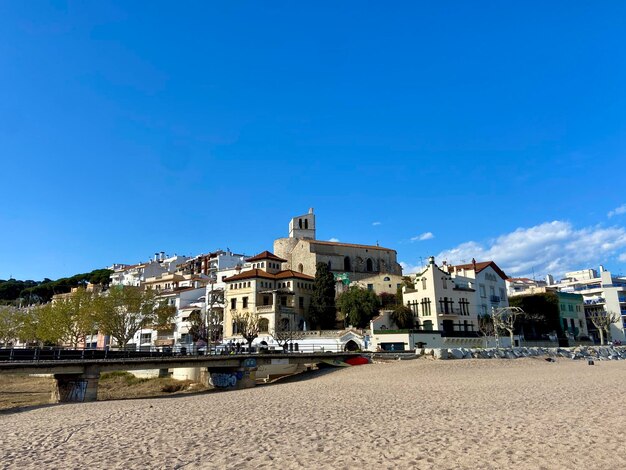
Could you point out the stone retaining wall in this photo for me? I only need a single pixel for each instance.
(600, 353)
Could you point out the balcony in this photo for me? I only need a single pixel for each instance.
(495, 299)
(265, 308)
(451, 311)
(465, 286)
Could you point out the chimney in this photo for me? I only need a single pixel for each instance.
(474, 263)
(310, 210)
(162, 255)
(431, 260)
(156, 257)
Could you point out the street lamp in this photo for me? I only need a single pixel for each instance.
(209, 312)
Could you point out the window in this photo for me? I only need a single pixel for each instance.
(233, 303)
(562, 307)
(301, 302)
(145, 338)
(502, 294)
(244, 300)
(347, 264)
(492, 291)
(369, 265)
(570, 307)
(370, 287)
(445, 282)
(423, 283)
(483, 309)
(266, 300)
(483, 294)
(264, 325)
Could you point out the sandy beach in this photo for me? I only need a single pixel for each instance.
(423, 413)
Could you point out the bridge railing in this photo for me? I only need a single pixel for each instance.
(63, 354)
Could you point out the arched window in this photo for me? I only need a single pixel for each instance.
(306, 223)
(301, 268)
(346, 264)
(329, 268)
(369, 266)
(284, 324)
(264, 325)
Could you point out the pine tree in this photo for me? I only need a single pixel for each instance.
(323, 312)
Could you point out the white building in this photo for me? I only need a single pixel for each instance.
(449, 299)
(600, 292)
(136, 274)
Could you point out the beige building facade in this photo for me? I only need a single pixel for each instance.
(280, 297)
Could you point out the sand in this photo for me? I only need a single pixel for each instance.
(477, 414)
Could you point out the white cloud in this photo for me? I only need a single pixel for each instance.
(376, 223)
(410, 268)
(334, 240)
(617, 211)
(422, 237)
(552, 247)
(622, 257)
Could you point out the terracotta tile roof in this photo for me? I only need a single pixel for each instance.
(524, 279)
(266, 255)
(350, 245)
(293, 274)
(259, 273)
(250, 274)
(479, 266)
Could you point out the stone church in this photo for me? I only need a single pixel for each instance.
(302, 252)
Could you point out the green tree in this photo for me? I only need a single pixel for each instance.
(323, 312)
(403, 317)
(9, 325)
(358, 306)
(124, 310)
(68, 320)
(164, 313)
(541, 315)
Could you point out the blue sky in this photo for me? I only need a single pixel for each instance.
(455, 129)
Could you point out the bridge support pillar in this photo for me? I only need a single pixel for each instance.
(232, 378)
(76, 388)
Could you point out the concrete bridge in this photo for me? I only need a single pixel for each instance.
(77, 379)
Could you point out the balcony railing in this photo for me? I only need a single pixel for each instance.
(494, 298)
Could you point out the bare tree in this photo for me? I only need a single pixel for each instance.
(284, 333)
(485, 327)
(504, 319)
(247, 324)
(602, 320)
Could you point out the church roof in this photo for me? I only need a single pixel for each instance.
(266, 255)
(350, 245)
